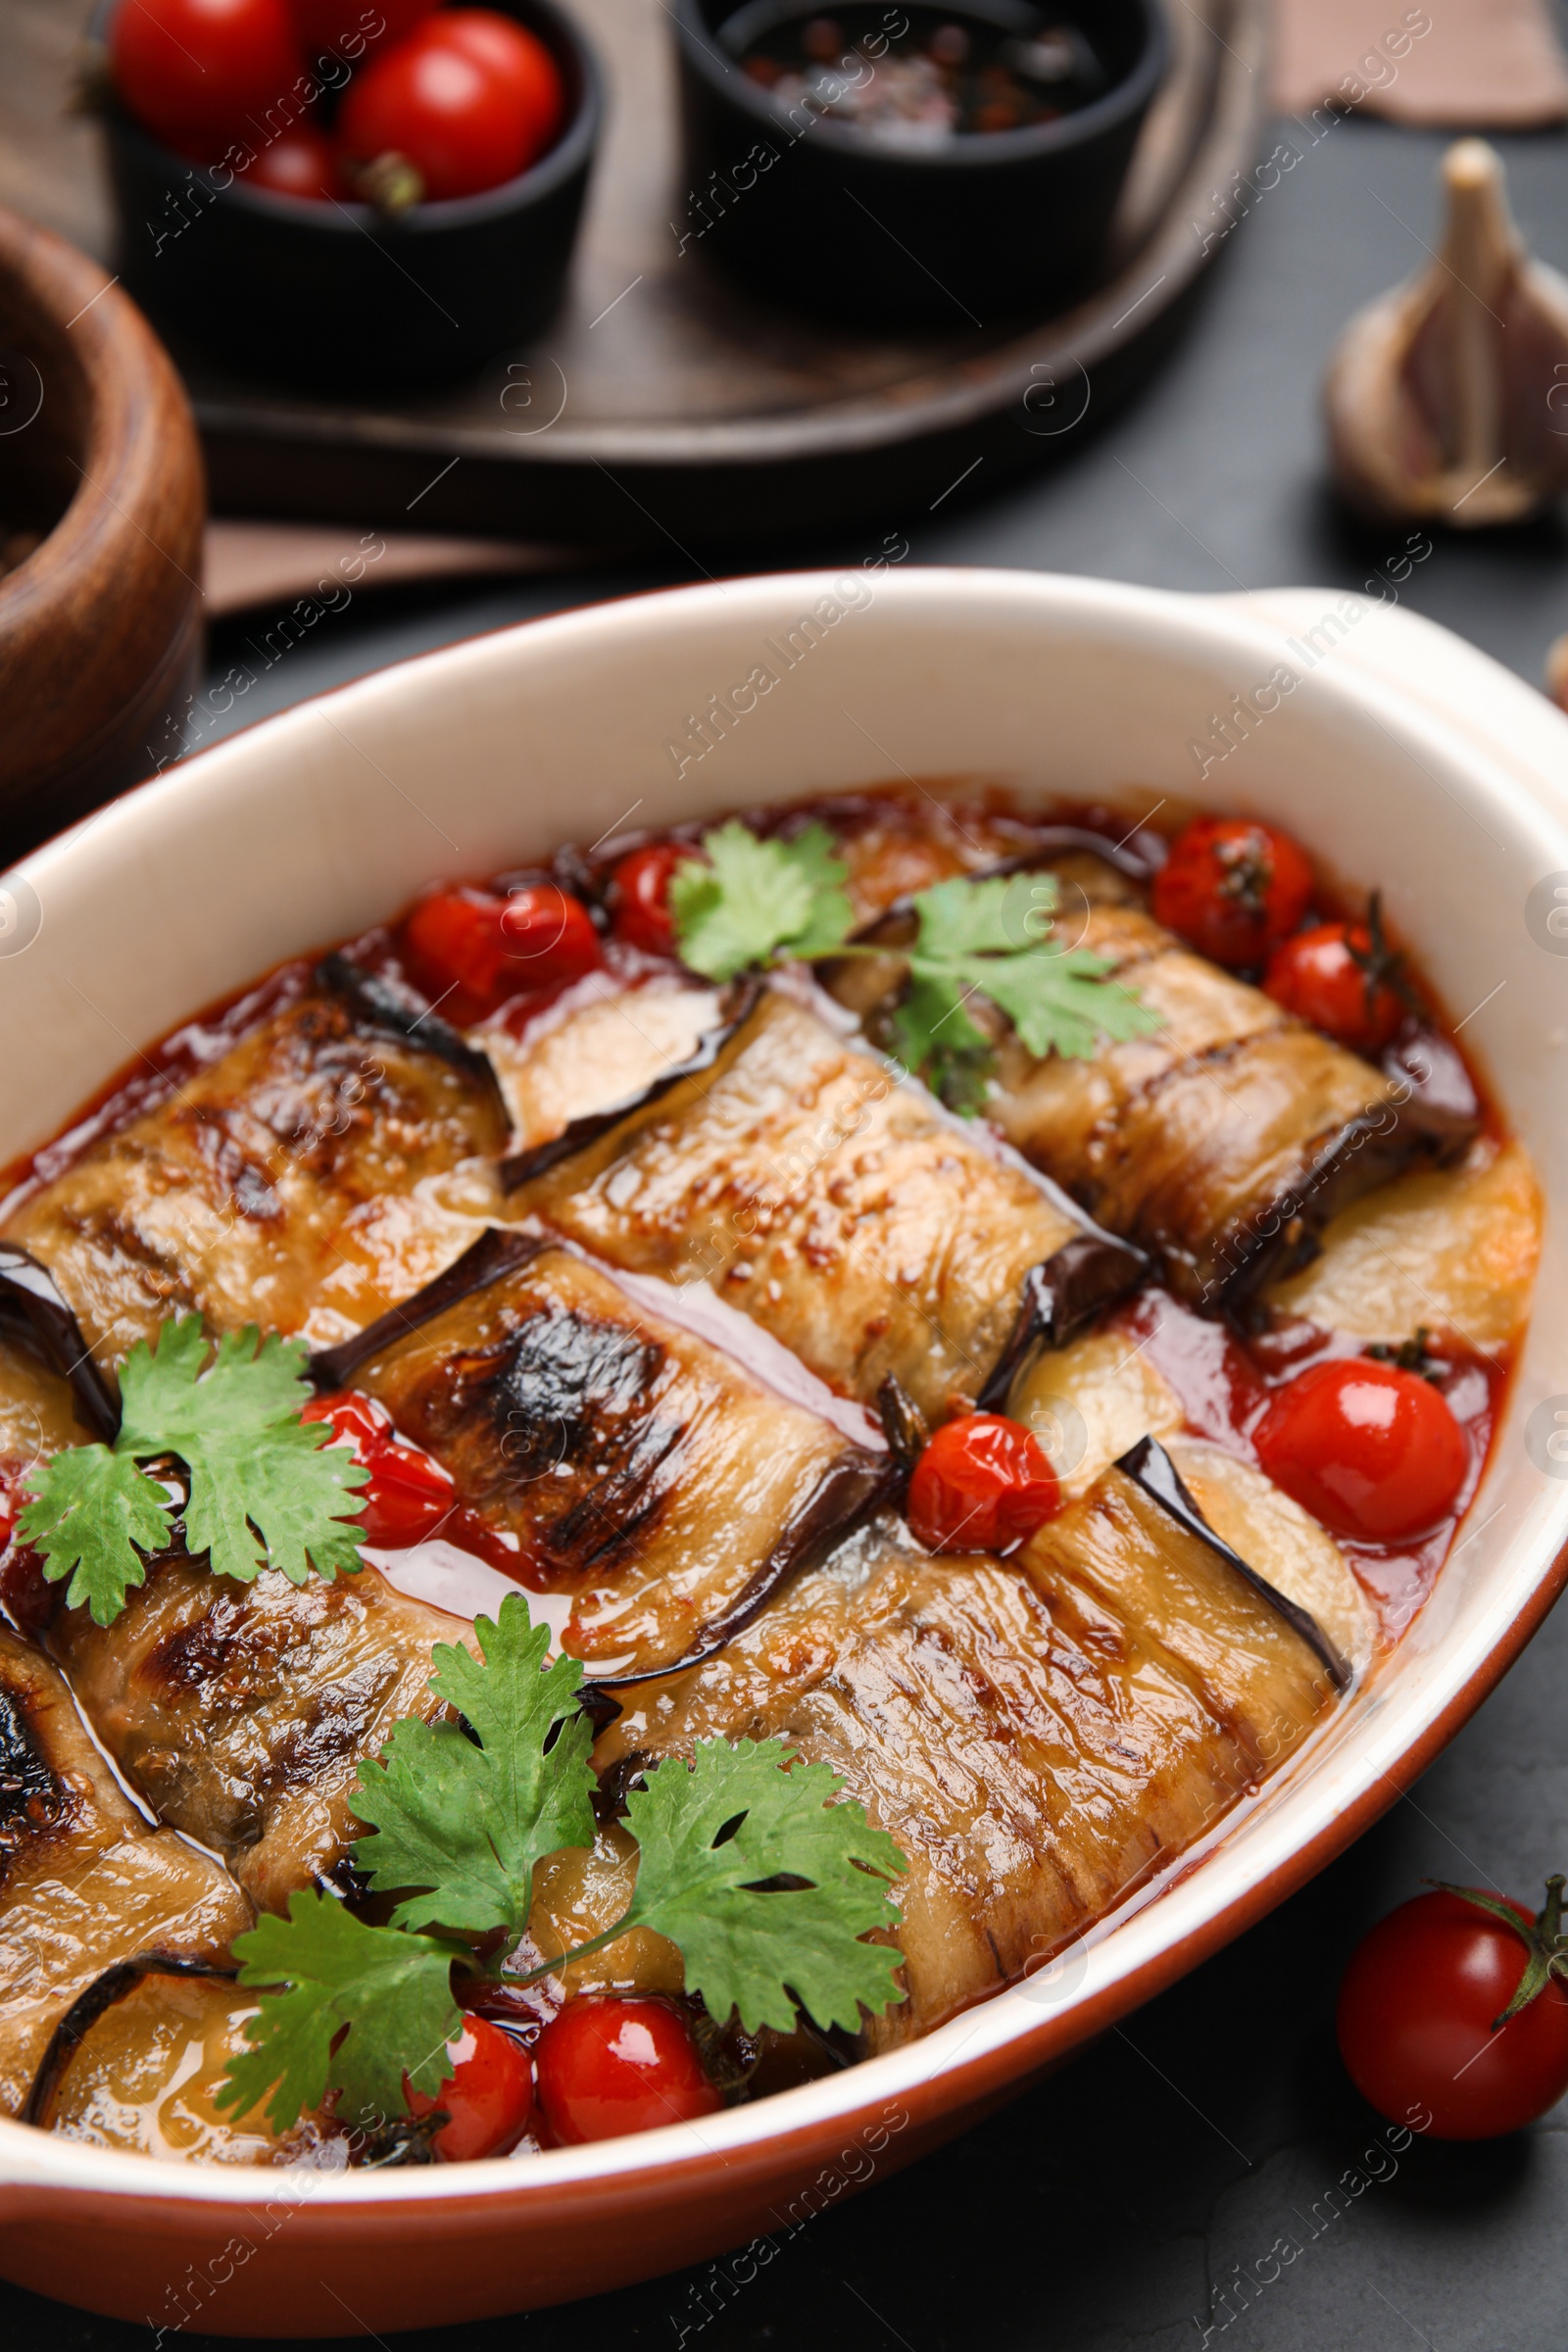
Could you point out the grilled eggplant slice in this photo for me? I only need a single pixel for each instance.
(841, 1209)
(84, 1883)
(1036, 1751)
(240, 1712)
(603, 1045)
(654, 1478)
(1224, 1142)
(288, 1185)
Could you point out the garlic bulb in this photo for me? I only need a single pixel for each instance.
(1448, 399)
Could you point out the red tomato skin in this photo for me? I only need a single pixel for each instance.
(299, 164)
(339, 24)
(1233, 890)
(983, 1484)
(190, 71)
(514, 53)
(608, 2066)
(452, 107)
(1414, 2021)
(472, 951)
(488, 2096)
(639, 896)
(409, 1493)
(1373, 1452)
(1315, 976)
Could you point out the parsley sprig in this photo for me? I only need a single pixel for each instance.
(263, 1489)
(755, 901)
(464, 1815)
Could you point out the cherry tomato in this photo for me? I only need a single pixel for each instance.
(1370, 1451)
(471, 950)
(191, 71)
(608, 2066)
(639, 896)
(1416, 2016)
(983, 1484)
(1233, 890)
(456, 109)
(299, 164)
(409, 1491)
(507, 49)
(488, 2096)
(1330, 976)
(334, 24)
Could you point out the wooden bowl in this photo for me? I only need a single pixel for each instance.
(99, 626)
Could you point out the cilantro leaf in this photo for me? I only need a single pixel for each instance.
(756, 899)
(266, 1490)
(91, 1510)
(467, 1825)
(747, 1948)
(392, 1990)
(992, 939)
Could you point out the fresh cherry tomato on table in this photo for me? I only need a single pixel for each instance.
(409, 1491)
(488, 2096)
(1335, 975)
(335, 23)
(191, 71)
(1422, 2015)
(639, 896)
(1233, 890)
(298, 164)
(467, 111)
(607, 2066)
(983, 1484)
(471, 950)
(1370, 1451)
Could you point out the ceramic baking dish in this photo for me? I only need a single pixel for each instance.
(1400, 756)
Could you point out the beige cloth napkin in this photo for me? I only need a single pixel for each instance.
(1479, 64)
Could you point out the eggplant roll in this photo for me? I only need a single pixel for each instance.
(654, 1478)
(84, 1883)
(1223, 1142)
(240, 1712)
(1038, 1734)
(286, 1185)
(839, 1207)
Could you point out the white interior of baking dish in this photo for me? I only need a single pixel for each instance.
(1398, 764)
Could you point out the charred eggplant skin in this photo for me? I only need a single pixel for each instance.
(386, 1007)
(31, 1296)
(89, 2006)
(1150, 1467)
(1060, 1295)
(495, 1254)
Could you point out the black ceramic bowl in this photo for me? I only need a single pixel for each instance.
(825, 215)
(335, 294)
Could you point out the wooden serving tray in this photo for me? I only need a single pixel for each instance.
(666, 401)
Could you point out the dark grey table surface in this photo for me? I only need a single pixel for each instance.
(1108, 2209)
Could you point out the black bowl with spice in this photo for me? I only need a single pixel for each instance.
(907, 165)
(330, 290)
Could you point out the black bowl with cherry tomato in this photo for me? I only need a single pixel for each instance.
(329, 205)
(916, 165)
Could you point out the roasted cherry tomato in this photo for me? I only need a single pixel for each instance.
(467, 113)
(471, 950)
(409, 1491)
(983, 1484)
(299, 164)
(513, 54)
(488, 2096)
(191, 71)
(340, 24)
(1335, 975)
(1421, 2007)
(608, 2066)
(1233, 890)
(639, 896)
(1370, 1451)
